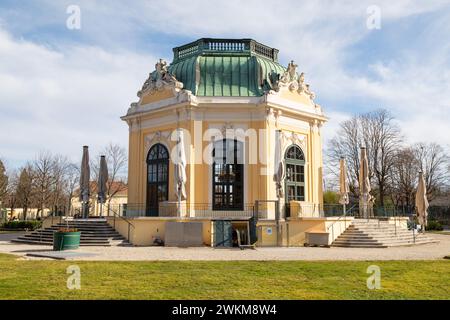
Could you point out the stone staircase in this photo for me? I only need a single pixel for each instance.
(95, 232)
(364, 233)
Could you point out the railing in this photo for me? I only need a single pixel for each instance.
(221, 45)
(440, 214)
(197, 210)
(207, 45)
(299, 210)
(263, 208)
(345, 213)
(377, 213)
(110, 211)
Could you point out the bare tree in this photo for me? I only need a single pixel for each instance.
(72, 179)
(43, 168)
(24, 189)
(378, 133)
(382, 138)
(404, 178)
(346, 144)
(116, 158)
(433, 163)
(3, 182)
(11, 196)
(60, 169)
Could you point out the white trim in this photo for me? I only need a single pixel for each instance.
(151, 139)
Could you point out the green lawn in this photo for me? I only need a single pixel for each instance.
(36, 279)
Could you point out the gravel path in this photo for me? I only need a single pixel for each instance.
(420, 252)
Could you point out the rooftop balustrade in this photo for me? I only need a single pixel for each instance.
(206, 46)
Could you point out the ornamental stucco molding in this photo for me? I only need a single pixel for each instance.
(315, 125)
(156, 137)
(273, 116)
(227, 127)
(133, 124)
(159, 80)
(290, 138)
(291, 80)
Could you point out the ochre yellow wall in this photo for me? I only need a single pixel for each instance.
(145, 228)
(259, 186)
(290, 233)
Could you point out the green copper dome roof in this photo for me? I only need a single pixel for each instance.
(226, 67)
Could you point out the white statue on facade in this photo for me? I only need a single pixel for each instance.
(301, 83)
(159, 79)
(290, 74)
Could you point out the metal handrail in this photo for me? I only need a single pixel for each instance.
(339, 218)
(126, 220)
(51, 215)
(200, 210)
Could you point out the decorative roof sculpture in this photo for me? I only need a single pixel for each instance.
(159, 79)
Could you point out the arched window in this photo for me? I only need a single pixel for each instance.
(228, 172)
(295, 174)
(157, 178)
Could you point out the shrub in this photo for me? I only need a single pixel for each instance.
(30, 224)
(330, 197)
(434, 225)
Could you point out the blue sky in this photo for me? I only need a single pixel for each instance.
(61, 88)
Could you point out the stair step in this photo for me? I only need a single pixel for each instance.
(358, 245)
(81, 239)
(51, 232)
(93, 233)
(50, 243)
(51, 240)
(371, 234)
(83, 233)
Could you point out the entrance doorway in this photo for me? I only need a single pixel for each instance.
(157, 178)
(229, 233)
(295, 176)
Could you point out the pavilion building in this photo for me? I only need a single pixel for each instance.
(250, 161)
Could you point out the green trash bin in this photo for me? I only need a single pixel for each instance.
(66, 240)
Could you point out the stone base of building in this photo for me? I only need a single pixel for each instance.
(224, 232)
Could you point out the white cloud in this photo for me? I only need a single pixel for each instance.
(62, 100)
(62, 95)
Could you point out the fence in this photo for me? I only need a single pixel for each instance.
(173, 209)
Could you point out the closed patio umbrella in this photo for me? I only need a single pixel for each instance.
(85, 176)
(279, 170)
(422, 201)
(180, 169)
(343, 185)
(101, 183)
(364, 184)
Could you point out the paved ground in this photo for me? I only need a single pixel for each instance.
(420, 252)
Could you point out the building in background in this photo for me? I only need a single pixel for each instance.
(116, 200)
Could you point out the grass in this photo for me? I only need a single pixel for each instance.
(43, 279)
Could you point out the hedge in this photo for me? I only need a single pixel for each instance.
(30, 224)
